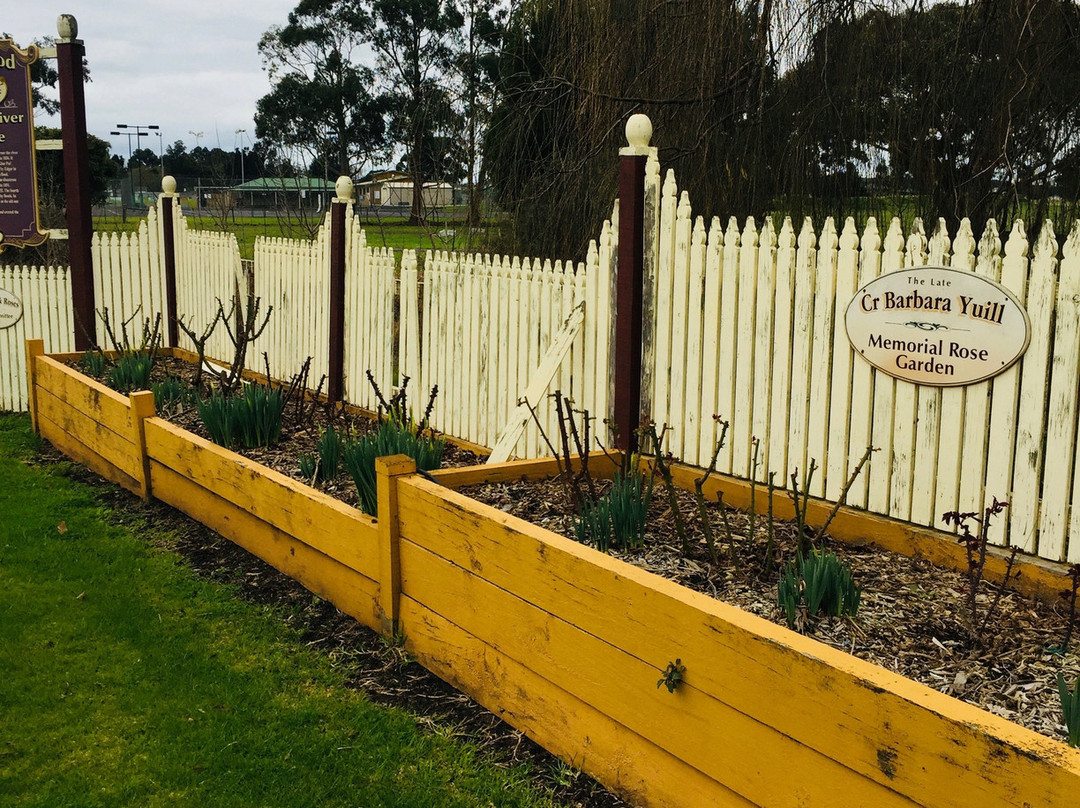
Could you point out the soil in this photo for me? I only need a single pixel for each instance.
(913, 617)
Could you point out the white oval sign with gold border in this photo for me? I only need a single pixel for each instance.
(932, 325)
(11, 309)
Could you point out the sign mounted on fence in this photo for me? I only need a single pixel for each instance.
(938, 326)
(11, 309)
(19, 222)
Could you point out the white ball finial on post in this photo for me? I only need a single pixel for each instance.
(638, 134)
(344, 189)
(638, 130)
(168, 185)
(67, 27)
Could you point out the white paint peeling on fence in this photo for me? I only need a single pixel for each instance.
(45, 294)
(774, 360)
(745, 322)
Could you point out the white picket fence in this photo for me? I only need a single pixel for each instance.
(479, 327)
(749, 325)
(743, 321)
(45, 294)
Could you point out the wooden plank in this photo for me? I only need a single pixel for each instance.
(885, 727)
(729, 331)
(710, 341)
(928, 418)
(639, 772)
(1031, 424)
(350, 590)
(1069, 548)
(805, 280)
(538, 384)
(692, 417)
(834, 467)
(734, 749)
(85, 394)
(824, 316)
(863, 378)
(1062, 404)
(885, 394)
(74, 448)
(601, 464)
(1005, 402)
(783, 342)
(116, 448)
(664, 295)
(905, 407)
(977, 397)
(761, 395)
(327, 524)
(741, 434)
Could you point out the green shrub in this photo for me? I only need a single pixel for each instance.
(329, 449)
(257, 415)
(391, 438)
(131, 372)
(309, 465)
(593, 524)
(618, 516)
(1070, 705)
(93, 363)
(216, 413)
(171, 393)
(821, 583)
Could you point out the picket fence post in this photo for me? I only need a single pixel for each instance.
(168, 238)
(630, 282)
(336, 352)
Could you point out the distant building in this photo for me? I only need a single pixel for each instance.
(311, 193)
(394, 189)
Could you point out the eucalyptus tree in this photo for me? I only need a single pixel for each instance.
(414, 42)
(323, 103)
(476, 65)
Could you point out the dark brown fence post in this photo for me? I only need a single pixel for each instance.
(336, 382)
(69, 65)
(629, 282)
(168, 239)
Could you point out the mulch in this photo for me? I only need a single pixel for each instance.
(913, 617)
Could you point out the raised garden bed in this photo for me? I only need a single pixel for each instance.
(566, 643)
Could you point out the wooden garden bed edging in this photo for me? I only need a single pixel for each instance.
(567, 644)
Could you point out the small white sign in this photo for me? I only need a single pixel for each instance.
(937, 326)
(11, 309)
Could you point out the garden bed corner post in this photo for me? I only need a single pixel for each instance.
(629, 284)
(141, 406)
(336, 382)
(387, 470)
(34, 349)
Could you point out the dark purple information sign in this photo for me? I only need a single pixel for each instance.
(19, 223)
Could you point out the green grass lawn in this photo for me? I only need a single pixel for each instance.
(127, 681)
(387, 232)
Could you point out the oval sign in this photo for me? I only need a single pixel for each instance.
(11, 309)
(938, 326)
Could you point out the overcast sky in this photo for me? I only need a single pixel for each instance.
(188, 65)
